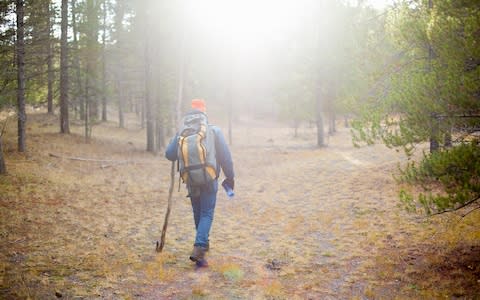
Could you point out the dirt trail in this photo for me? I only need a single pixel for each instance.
(305, 223)
(310, 210)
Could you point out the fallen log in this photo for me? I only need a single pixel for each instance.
(106, 162)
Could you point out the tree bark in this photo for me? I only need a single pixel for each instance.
(49, 61)
(64, 122)
(20, 52)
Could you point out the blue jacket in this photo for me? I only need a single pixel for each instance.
(224, 157)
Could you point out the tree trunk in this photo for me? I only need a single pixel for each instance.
(320, 76)
(434, 145)
(320, 130)
(3, 168)
(76, 64)
(320, 133)
(64, 122)
(168, 129)
(121, 104)
(91, 74)
(119, 66)
(160, 135)
(104, 71)
(331, 119)
(296, 124)
(92, 57)
(87, 107)
(178, 106)
(142, 112)
(20, 52)
(345, 121)
(330, 105)
(49, 61)
(121, 117)
(148, 102)
(448, 139)
(181, 81)
(230, 116)
(230, 91)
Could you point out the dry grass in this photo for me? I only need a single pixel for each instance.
(306, 223)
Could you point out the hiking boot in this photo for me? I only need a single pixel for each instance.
(202, 263)
(198, 254)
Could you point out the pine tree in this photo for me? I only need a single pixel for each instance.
(431, 86)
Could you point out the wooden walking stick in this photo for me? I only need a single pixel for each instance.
(181, 78)
(160, 245)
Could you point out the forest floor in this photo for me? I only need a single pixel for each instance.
(305, 223)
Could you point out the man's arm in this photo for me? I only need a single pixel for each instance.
(224, 157)
(171, 151)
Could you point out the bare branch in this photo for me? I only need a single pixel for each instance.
(456, 209)
(466, 214)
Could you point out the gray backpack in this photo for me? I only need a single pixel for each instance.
(197, 162)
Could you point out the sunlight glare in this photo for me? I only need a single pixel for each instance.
(243, 22)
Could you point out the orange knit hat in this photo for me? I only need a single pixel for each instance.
(199, 104)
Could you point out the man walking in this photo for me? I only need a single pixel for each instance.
(201, 151)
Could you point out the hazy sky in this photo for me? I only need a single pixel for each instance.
(380, 3)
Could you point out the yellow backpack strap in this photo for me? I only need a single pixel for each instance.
(183, 150)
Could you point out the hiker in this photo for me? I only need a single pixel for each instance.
(199, 161)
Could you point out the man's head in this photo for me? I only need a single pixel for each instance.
(199, 104)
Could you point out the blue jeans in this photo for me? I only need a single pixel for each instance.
(203, 210)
